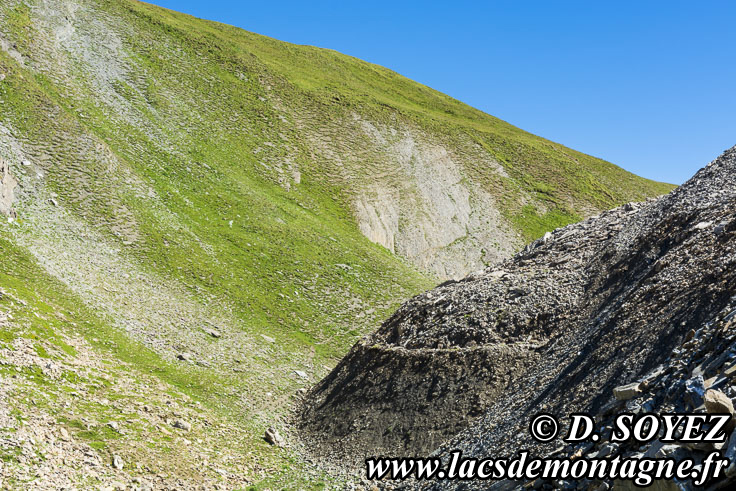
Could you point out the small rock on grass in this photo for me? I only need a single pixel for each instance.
(182, 425)
(273, 437)
(117, 462)
(213, 332)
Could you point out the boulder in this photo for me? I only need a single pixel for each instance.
(117, 462)
(273, 437)
(182, 425)
(695, 391)
(716, 402)
(628, 391)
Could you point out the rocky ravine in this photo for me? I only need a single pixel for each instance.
(585, 309)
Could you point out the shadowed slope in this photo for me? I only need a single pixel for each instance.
(584, 309)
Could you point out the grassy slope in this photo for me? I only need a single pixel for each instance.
(190, 120)
(329, 82)
(60, 328)
(278, 268)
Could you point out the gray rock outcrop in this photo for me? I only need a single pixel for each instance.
(7, 188)
(589, 308)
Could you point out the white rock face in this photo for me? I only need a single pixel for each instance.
(378, 217)
(423, 208)
(7, 188)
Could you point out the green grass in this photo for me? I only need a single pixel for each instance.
(536, 224)
(332, 84)
(48, 296)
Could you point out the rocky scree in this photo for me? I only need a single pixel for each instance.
(699, 376)
(579, 312)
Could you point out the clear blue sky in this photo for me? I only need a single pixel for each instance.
(650, 86)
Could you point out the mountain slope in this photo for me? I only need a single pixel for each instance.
(665, 320)
(644, 292)
(430, 178)
(225, 214)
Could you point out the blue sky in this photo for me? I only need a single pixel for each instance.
(650, 86)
